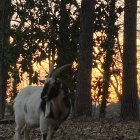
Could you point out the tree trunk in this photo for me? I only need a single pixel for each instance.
(83, 103)
(129, 102)
(108, 58)
(2, 92)
(65, 48)
(4, 27)
(64, 42)
(106, 81)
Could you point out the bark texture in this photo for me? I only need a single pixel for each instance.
(108, 58)
(129, 102)
(4, 26)
(83, 89)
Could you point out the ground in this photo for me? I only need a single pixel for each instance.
(84, 129)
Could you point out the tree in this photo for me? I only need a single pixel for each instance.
(4, 42)
(108, 46)
(106, 52)
(42, 29)
(68, 34)
(83, 102)
(129, 101)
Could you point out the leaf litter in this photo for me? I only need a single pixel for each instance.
(84, 129)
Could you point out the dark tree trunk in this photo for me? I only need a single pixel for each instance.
(64, 42)
(65, 49)
(129, 102)
(83, 103)
(106, 82)
(4, 26)
(2, 91)
(15, 75)
(108, 58)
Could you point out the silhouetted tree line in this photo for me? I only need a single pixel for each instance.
(32, 31)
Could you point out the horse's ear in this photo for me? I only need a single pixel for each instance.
(42, 81)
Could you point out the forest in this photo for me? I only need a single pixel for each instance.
(99, 41)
